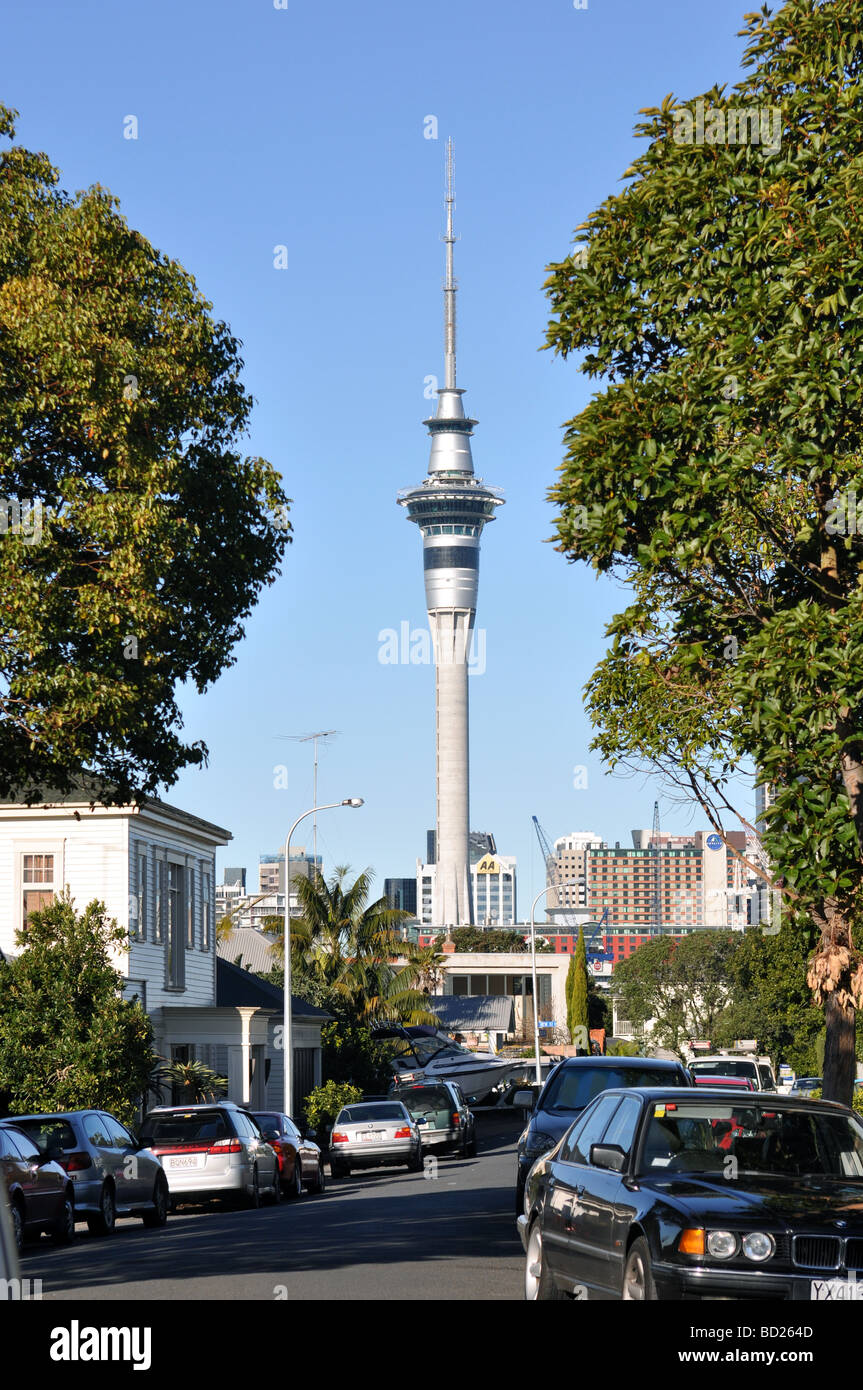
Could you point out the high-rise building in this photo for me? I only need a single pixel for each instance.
(493, 885)
(451, 507)
(572, 853)
(271, 869)
(401, 893)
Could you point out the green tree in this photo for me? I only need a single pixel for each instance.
(349, 950)
(487, 939)
(138, 536)
(770, 998)
(577, 1013)
(681, 988)
(68, 1039)
(716, 468)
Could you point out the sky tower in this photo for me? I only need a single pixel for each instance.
(451, 506)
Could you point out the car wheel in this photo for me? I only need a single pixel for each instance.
(161, 1201)
(319, 1182)
(254, 1200)
(339, 1170)
(539, 1286)
(63, 1229)
(104, 1224)
(415, 1162)
(18, 1225)
(519, 1193)
(471, 1148)
(638, 1284)
(295, 1187)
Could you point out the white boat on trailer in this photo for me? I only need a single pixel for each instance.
(427, 1054)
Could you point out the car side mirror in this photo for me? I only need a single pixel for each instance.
(524, 1099)
(608, 1156)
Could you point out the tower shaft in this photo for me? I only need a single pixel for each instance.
(451, 634)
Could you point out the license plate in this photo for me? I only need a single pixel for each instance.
(836, 1291)
(374, 1137)
(188, 1161)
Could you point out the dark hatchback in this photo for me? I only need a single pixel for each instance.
(571, 1087)
(654, 1195)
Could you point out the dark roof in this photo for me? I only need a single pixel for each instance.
(473, 1013)
(237, 988)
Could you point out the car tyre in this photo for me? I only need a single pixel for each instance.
(295, 1187)
(539, 1285)
(471, 1148)
(276, 1193)
(638, 1284)
(339, 1170)
(63, 1230)
(254, 1198)
(161, 1203)
(18, 1224)
(415, 1162)
(105, 1222)
(320, 1181)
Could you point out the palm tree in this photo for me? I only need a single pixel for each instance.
(352, 949)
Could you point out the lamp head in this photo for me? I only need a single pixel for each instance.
(353, 801)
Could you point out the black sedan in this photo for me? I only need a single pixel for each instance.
(655, 1193)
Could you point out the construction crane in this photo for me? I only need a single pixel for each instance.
(554, 877)
(656, 906)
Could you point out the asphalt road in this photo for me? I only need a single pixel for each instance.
(383, 1234)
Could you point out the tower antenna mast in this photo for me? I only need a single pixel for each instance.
(450, 285)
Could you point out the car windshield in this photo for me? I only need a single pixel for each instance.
(726, 1066)
(51, 1137)
(571, 1088)
(184, 1127)
(733, 1138)
(361, 1114)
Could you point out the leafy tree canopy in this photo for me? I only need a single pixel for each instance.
(136, 537)
(68, 1040)
(718, 299)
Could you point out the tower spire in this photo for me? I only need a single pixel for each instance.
(450, 285)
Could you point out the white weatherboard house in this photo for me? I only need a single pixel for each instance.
(153, 866)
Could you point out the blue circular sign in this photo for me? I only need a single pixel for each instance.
(714, 842)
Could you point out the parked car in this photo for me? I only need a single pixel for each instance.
(111, 1173)
(368, 1134)
(755, 1069)
(300, 1160)
(805, 1085)
(733, 1083)
(39, 1191)
(656, 1194)
(10, 1268)
(441, 1112)
(213, 1150)
(570, 1087)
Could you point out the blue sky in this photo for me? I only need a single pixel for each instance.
(304, 127)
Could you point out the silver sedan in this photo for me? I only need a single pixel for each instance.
(371, 1133)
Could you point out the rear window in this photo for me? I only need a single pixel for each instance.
(427, 1098)
(186, 1128)
(270, 1125)
(726, 1067)
(359, 1114)
(50, 1136)
(571, 1088)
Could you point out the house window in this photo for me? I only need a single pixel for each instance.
(37, 879)
(190, 908)
(175, 960)
(160, 903)
(141, 894)
(206, 910)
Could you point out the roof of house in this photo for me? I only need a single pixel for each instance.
(238, 988)
(248, 947)
(474, 1013)
(87, 794)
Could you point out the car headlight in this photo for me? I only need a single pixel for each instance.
(758, 1246)
(722, 1244)
(538, 1143)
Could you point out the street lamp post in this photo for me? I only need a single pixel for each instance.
(287, 1028)
(551, 887)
